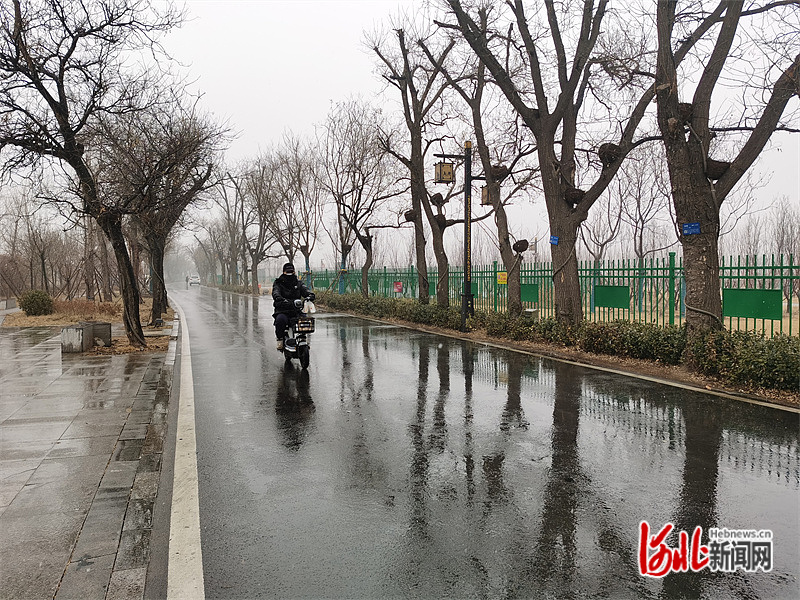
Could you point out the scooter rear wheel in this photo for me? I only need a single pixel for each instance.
(304, 355)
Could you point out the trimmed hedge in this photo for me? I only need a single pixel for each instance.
(743, 357)
(35, 303)
(400, 308)
(736, 357)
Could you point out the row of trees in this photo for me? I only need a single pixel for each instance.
(564, 98)
(561, 99)
(123, 147)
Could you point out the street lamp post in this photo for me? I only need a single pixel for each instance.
(467, 300)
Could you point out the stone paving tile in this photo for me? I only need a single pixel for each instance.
(120, 474)
(13, 468)
(100, 445)
(133, 432)
(87, 578)
(154, 442)
(127, 584)
(92, 403)
(33, 552)
(14, 474)
(60, 485)
(10, 406)
(83, 429)
(145, 486)
(39, 407)
(31, 450)
(35, 574)
(139, 515)
(127, 450)
(22, 432)
(149, 463)
(134, 549)
(101, 530)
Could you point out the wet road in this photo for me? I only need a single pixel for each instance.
(409, 465)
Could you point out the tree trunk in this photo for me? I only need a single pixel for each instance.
(88, 256)
(43, 264)
(418, 193)
(307, 258)
(254, 275)
(366, 243)
(112, 227)
(694, 202)
(564, 224)
(511, 262)
(160, 303)
(105, 270)
(135, 260)
(442, 264)
(566, 285)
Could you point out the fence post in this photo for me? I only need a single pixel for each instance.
(495, 286)
(672, 288)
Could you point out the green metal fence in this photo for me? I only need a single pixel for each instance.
(760, 294)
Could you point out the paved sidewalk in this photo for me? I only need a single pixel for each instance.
(81, 440)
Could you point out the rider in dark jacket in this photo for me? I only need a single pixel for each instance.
(285, 290)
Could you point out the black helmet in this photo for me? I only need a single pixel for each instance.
(288, 268)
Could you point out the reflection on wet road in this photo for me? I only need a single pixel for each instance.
(406, 464)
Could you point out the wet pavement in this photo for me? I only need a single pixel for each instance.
(81, 444)
(403, 464)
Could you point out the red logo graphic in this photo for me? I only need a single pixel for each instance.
(656, 558)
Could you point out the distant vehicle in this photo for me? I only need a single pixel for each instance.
(194, 280)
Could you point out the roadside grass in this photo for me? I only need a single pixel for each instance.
(71, 312)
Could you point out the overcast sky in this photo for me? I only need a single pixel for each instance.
(274, 65)
(269, 66)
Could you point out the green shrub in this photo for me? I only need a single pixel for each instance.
(635, 340)
(35, 303)
(555, 332)
(749, 358)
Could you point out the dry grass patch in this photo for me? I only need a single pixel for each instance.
(71, 312)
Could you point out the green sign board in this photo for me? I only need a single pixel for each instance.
(612, 296)
(753, 304)
(530, 292)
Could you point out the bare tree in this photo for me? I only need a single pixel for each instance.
(63, 63)
(642, 189)
(548, 86)
(602, 227)
(161, 160)
(420, 86)
(785, 228)
(701, 183)
(261, 198)
(303, 193)
(228, 232)
(359, 175)
(503, 159)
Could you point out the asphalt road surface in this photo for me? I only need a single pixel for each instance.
(403, 464)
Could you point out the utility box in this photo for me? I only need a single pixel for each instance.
(100, 332)
(85, 335)
(76, 338)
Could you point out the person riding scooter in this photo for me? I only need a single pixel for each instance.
(286, 289)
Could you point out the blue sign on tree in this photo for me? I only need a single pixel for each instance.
(554, 240)
(691, 228)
